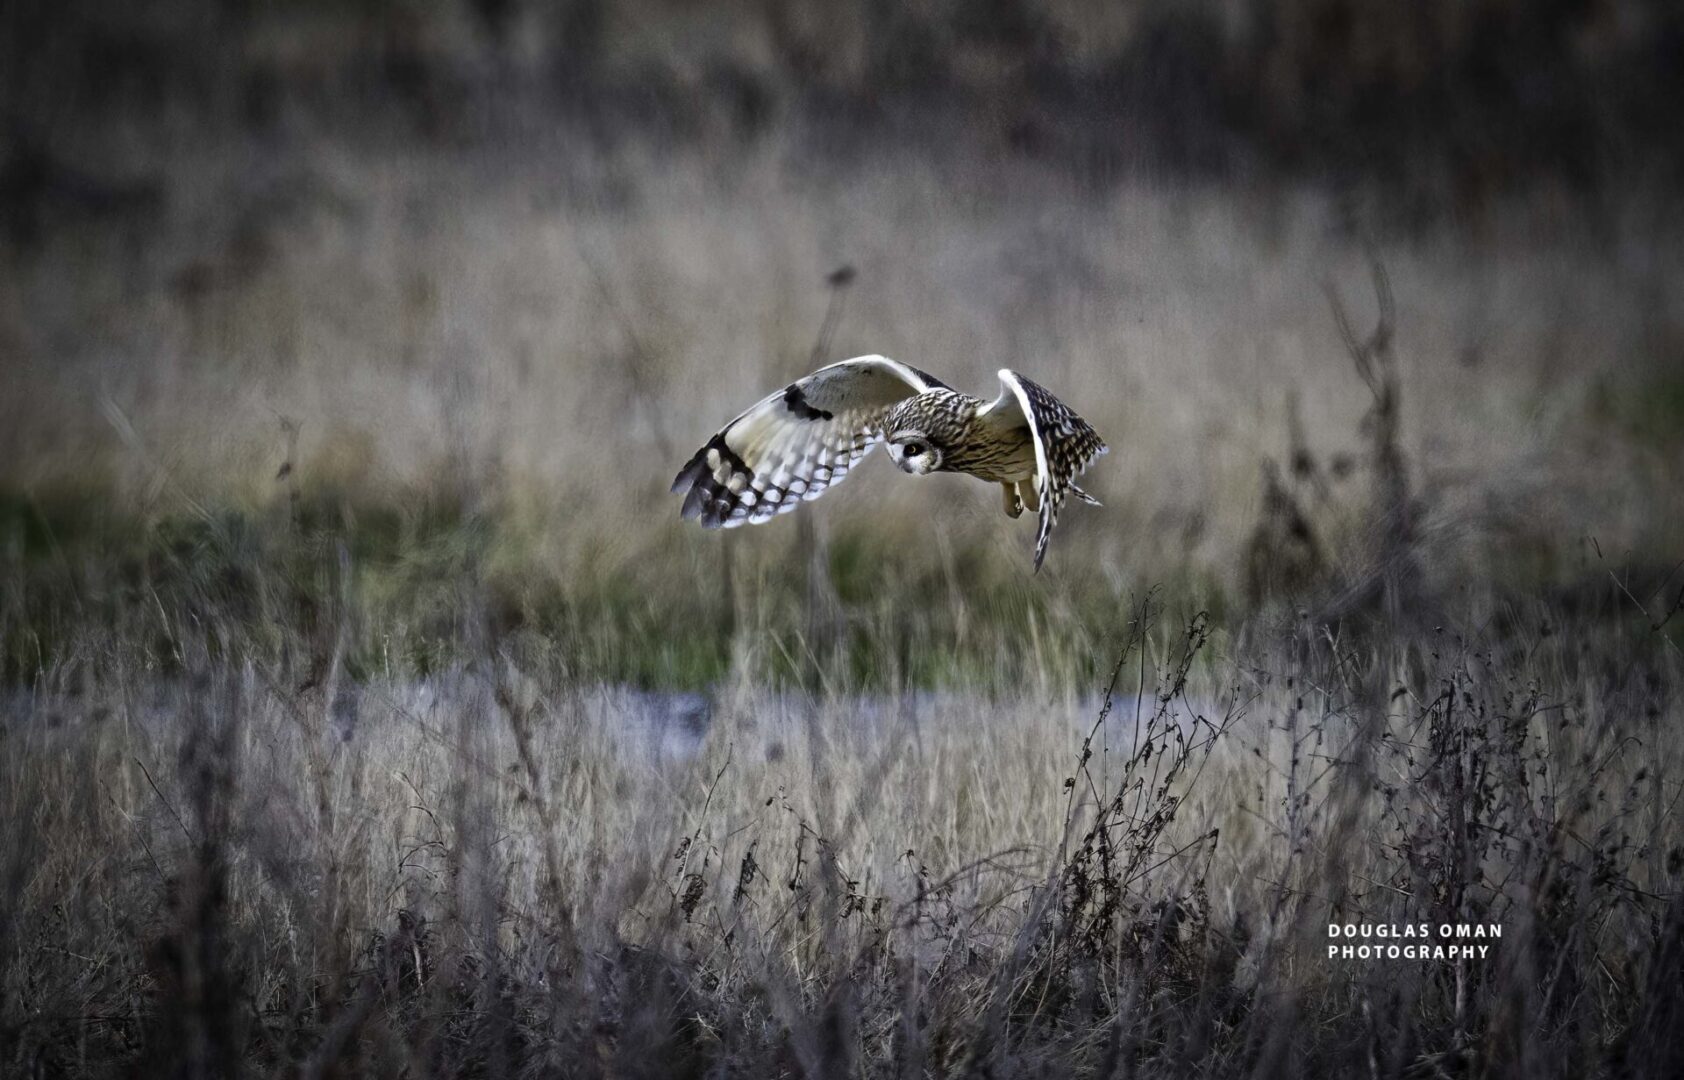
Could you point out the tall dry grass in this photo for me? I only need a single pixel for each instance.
(498, 871)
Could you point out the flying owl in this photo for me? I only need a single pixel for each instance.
(797, 442)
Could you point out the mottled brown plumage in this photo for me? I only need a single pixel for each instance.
(795, 443)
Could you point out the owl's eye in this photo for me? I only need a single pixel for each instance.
(913, 449)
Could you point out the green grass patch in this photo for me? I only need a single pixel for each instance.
(413, 585)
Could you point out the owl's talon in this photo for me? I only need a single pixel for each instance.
(1014, 505)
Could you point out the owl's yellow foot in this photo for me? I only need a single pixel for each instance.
(1014, 505)
(1031, 496)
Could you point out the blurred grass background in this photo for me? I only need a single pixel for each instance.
(481, 276)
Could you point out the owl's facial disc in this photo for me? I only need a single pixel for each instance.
(914, 453)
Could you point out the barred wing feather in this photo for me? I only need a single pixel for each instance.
(794, 444)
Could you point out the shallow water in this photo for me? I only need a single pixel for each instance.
(654, 725)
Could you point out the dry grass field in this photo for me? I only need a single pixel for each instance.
(425, 344)
(217, 867)
(366, 710)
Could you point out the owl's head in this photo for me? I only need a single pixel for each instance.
(914, 452)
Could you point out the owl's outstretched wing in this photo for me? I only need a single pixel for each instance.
(795, 443)
(1064, 447)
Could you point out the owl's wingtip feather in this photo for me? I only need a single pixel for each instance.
(693, 470)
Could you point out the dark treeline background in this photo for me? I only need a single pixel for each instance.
(1446, 103)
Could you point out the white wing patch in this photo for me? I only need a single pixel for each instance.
(793, 444)
(1065, 445)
